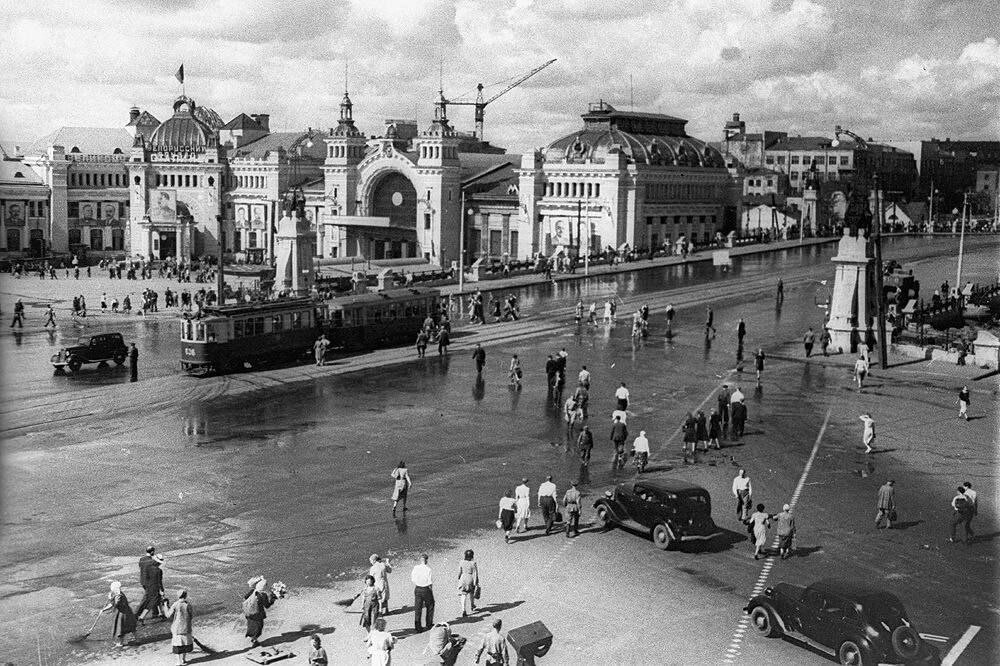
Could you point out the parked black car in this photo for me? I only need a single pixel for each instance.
(93, 349)
(864, 625)
(669, 510)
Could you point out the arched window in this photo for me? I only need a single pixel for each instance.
(97, 239)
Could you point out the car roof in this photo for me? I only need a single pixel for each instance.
(850, 588)
(665, 486)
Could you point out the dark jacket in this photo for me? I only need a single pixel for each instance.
(739, 412)
(479, 355)
(619, 432)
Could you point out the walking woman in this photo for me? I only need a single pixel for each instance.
(468, 583)
(714, 428)
(868, 436)
(124, 618)
(380, 571)
(182, 638)
(255, 605)
(523, 497)
(759, 521)
(701, 430)
(690, 429)
(380, 644)
(515, 371)
(369, 605)
(401, 486)
(508, 509)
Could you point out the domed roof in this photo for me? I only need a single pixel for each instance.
(183, 131)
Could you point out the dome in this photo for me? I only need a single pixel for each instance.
(598, 144)
(183, 131)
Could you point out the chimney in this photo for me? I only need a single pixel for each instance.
(133, 114)
(264, 120)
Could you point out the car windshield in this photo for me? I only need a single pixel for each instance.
(84, 341)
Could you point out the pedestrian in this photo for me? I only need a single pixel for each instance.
(551, 371)
(786, 531)
(709, 321)
(860, 371)
(781, 290)
(317, 655)
(444, 339)
(380, 644)
(963, 402)
(468, 583)
(422, 339)
(124, 619)
(104, 302)
(151, 580)
(885, 505)
(114, 305)
(759, 521)
(714, 428)
(508, 511)
(585, 444)
(759, 363)
(723, 401)
(18, 314)
(619, 434)
(579, 311)
(547, 501)
(523, 496)
(572, 414)
(401, 485)
(743, 492)
(133, 359)
(319, 349)
(690, 430)
(868, 436)
(514, 372)
(50, 317)
(962, 515)
(181, 616)
(622, 396)
(583, 379)
(701, 430)
(380, 570)
(582, 397)
(423, 594)
(741, 332)
(494, 646)
(824, 341)
(739, 410)
(370, 604)
(571, 502)
(808, 340)
(736, 396)
(973, 498)
(607, 312)
(592, 314)
(255, 605)
(640, 449)
(479, 356)
(670, 318)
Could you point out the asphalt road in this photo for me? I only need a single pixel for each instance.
(228, 481)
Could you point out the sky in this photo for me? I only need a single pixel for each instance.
(894, 70)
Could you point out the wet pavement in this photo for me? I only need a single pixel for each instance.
(294, 482)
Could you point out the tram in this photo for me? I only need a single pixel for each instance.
(232, 337)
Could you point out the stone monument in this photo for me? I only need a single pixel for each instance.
(852, 306)
(296, 245)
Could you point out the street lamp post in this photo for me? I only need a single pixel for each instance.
(961, 245)
(461, 249)
(883, 343)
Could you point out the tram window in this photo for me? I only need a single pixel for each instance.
(238, 328)
(199, 331)
(297, 320)
(408, 312)
(188, 330)
(337, 318)
(277, 323)
(210, 333)
(258, 325)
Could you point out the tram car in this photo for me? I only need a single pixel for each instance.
(232, 337)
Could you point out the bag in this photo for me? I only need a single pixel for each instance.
(559, 516)
(892, 516)
(499, 524)
(478, 593)
(250, 605)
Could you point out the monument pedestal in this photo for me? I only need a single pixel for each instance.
(296, 245)
(852, 305)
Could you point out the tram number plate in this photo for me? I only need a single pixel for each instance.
(189, 351)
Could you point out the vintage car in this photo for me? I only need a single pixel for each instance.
(669, 510)
(863, 624)
(93, 349)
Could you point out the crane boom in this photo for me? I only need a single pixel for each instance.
(480, 103)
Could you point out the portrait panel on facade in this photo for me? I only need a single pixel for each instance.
(241, 215)
(88, 210)
(163, 206)
(109, 212)
(257, 220)
(14, 212)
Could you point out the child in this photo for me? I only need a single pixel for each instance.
(317, 656)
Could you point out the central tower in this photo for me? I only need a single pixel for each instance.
(439, 189)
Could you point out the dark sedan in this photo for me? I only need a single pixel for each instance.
(669, 510)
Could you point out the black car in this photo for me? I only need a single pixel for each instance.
(669, 510)
(93, 349)
(864, 625)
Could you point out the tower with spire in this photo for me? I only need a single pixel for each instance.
(345, 148)
(438, 163)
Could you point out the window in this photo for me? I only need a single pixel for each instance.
(794, 160)
(427, 220)
(513, 243)
(495, 239)
(97, 239)
(769, 159)
(277, 323)
(597, 189)
(75, 237)
(794, 175)
(832, 160)
(117, 239)
(297, 320)
(73, 209)
(252, 239)
(14, 239)
(844, 160)
(770, 182)
(781, 159)
(238, 328)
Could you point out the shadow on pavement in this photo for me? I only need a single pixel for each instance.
(723, 541)
(804, 551)
(984, 537)
(906, 524)
(498, 607)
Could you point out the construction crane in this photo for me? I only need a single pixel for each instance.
(481, 103)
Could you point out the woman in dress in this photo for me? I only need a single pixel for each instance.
(508, 510)
(380, 644)
(124, 618)
(701, 430)
(868, 436)
(759, 521)
(523, 499)
(401, 485)
(515, 370)
(690, 428)
(380, 571)
(258, 611)
(468, 582)
(182, 639)
(369, 605)
(714, 428)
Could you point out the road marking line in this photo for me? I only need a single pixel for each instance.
(765, 571)
(934, 637)
(960, 646)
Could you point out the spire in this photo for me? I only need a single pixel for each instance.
(345, 126)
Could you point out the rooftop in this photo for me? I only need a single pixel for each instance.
(86, 140)
(16, 172)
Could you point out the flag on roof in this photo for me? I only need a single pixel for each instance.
(180, 73)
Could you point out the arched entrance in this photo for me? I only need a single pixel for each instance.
(394, 197)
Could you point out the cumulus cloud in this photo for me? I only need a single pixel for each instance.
(883, 69)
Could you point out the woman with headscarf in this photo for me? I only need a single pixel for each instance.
(508, 510)
(380, 570)
(256, 610)
(124, 618)
(468, 582)
(401, 486)
(701, 430)
(182, 639)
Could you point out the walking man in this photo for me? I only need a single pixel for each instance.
(585, 444)
(479, 356)
(807, 341)
(50, 317)
(547, 499)
(18, 314)
(723, 401)
(759, 363)
(583, 379)
(973, 498)
(622, 395)
(571, 502)
(742, 491)
(670, 318)
(444, 339)
(741, 332)
(962, 515)
(619, 433)
(319, 349)
(133, 360)
(709, 321)
(963, 403)
(860, 371)
(786, 531)
(824, 341)
(739, 410)
(423, 594)
(494, 646)
(886, 505)
(151, 580)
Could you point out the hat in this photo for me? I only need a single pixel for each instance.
(158, 558)
(374, 558)
(786, 508)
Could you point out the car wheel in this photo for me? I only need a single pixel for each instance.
(75, 364)
(661, 537)
(119, 358)
(604, 517)
(906, 642)
(852, 654)
(765, 622)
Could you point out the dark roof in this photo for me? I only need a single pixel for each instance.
(144, 118)
(804, 143)
(657, 149)
(475, 165)
(666, 485)
(381, 296)
(259, 148)
(243, 122)
(259, 307)
(88, 140)
(16, 172)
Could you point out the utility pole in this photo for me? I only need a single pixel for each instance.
(461, 250)
(883, 343)
(579, 238)
(961, 246)
(220, 280)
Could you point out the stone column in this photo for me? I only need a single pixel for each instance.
(851, 308)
